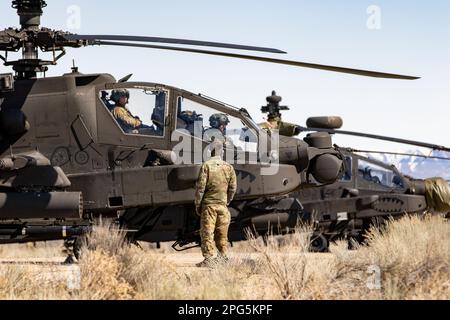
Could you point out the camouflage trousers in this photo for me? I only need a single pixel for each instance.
(214, 224)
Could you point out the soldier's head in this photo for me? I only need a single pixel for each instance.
(219, 121)
(120, 97)
(216, 148)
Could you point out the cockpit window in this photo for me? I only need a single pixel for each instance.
(138, 111)
(379, 175)
(209, 124)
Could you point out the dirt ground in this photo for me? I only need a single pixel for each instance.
(47, 261)
(408, 259)
(182, 261)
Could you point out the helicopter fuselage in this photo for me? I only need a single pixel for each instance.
(72, 127)
(69, 129)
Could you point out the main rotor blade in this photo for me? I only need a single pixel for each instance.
(378, 137)
(396, 154)
(264, 59)
(92, 39)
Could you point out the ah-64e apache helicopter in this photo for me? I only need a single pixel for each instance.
(369, 191)
(64, 159)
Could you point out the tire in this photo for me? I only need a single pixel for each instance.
(319, 243)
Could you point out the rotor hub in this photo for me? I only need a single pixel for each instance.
(45, 40)
(30, 12)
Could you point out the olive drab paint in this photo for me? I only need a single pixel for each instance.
(64, 152)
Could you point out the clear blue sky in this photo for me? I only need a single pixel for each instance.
(414, 39)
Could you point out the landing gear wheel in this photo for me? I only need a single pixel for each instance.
(355, 240)
(69, 245)
(78, 244)
(319, 243)
(69, 260)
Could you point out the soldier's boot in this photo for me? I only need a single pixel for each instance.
(222, 259)
(208, 262)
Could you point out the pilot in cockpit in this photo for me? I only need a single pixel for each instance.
(218, 126)
(133, 124)
(218, 130)
(128, 122)
(190, 121)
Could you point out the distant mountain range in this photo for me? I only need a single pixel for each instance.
(418, 167)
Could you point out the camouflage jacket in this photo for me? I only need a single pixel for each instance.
(216, 183)
(125, 118)
(284, 128)
(271, 124)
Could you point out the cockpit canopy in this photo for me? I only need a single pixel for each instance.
(146, 113)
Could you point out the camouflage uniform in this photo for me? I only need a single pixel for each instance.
(216, 187)
(271, 124)
(285, 128)
(126, 119)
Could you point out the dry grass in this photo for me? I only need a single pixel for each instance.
(44, 250)
(412, 256)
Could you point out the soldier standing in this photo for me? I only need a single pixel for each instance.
(216, 187)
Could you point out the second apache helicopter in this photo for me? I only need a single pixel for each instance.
(64, 159)
(368, 192)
